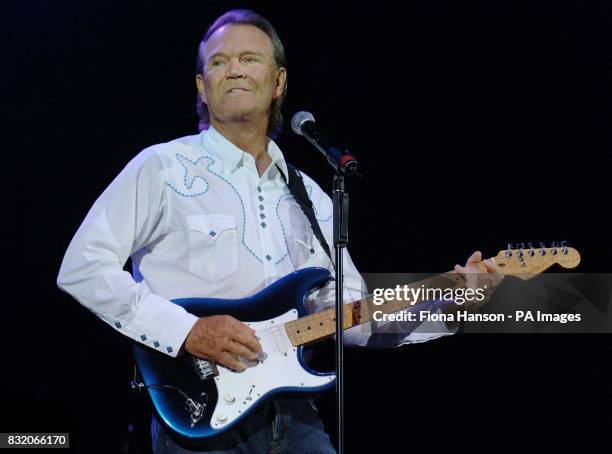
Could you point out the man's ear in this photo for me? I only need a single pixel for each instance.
(201, 87)
(281, 82)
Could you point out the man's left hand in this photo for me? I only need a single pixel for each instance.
(479, 273)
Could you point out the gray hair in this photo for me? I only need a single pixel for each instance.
(245, 17)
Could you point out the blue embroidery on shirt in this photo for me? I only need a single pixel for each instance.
(282, 227)
(191, 175)
(244, 219)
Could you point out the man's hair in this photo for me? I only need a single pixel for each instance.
(245, 17)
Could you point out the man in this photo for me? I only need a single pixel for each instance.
(210, 215)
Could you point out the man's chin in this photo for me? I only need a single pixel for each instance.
(239, 116)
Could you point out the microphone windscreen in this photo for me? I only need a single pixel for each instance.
(299, 118)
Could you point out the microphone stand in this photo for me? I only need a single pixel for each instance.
(343, 164)
(341, 206)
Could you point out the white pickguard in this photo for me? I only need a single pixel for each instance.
(280, 367)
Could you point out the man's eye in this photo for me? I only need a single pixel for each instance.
(215, 63)
(250, 59)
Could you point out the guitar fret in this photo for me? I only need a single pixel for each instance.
(321, 326)
(299, 332)
(308, 329)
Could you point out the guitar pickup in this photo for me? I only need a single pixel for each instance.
(279, 338)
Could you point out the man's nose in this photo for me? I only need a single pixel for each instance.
(235, 68)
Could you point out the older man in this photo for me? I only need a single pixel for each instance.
(210, 215)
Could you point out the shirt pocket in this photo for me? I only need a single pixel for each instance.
(305, 249)
(213, 245)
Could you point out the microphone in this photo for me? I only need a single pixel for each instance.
(303, 124)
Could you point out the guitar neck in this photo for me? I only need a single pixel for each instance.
(321, 325)
(522, 264)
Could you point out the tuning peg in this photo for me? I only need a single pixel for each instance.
(520, 251)
(564, 249)
(531, 251)
(554, 248)
(509, 251)
(542, 248)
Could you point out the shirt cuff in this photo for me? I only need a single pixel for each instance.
(161, 324)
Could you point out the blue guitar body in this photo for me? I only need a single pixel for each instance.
(196, 399)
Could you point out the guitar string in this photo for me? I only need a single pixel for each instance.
(268, 331)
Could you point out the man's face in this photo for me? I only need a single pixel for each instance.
(239, 80)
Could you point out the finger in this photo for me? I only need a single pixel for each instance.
(248, 340)
(471, 280)
(241, 350)
(244, 335)
(491, 266)
(497, 279)
(240, 326)
(474, 258)
(231, 361)
(469, 269)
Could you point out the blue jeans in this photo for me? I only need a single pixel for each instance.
(284, 426)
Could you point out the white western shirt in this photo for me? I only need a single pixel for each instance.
(199, 221)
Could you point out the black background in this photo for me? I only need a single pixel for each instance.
(476, 124)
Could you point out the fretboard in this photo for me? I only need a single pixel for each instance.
(320, 325)
(518, 262)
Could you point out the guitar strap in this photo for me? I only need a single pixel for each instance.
(299, 193)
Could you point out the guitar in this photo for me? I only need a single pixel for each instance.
(197, 399)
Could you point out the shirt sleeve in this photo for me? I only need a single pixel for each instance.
(372, 334)
(129, 215)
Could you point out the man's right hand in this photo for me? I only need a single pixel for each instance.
(222, 338)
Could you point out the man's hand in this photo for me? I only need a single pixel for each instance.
(480, 273)
(222, 338)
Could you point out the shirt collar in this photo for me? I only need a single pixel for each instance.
(232, 157)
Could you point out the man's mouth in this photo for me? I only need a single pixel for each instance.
(234, 90)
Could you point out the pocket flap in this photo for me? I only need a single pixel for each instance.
(213, 225)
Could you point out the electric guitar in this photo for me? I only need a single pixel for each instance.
(197, 399)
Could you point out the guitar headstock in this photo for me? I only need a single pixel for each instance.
(527, 261)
